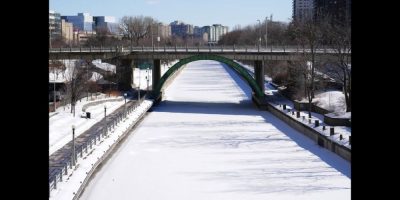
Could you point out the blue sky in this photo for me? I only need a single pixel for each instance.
(196, 12)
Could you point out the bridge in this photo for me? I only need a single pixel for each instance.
(124, 58)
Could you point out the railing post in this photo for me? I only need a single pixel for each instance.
(142, 48)
(198, 48)
(164, 47)
(186, 48)
(55, 182)
(175, 47)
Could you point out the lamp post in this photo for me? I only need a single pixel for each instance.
(105, 118)
(151, 31)
(158, 35)
(138, 98)
(266, 31)
(87, 77)
(147, 83)
(259, 40)
(73, 146)
(148, 78)
(140, 80)
(125, 102)
(54, 88)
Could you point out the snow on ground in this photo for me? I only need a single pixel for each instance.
(207, 140)
(96, 76)
(143, 73)
(62, 76)
(73, 180)
(330, 100)
(105, 66)
(339, 130)
(60, 125)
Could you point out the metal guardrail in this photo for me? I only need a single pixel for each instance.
(179, 49)
(86, 106)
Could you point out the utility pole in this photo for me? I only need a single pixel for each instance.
(87, 82)
(266, 31)
(151, 31)
(259, 41)
(73, 146)
(158, 35)
(139, 85)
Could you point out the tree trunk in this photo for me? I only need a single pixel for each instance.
(312, 71)
(137, 41)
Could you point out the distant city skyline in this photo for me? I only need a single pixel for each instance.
(199, 13)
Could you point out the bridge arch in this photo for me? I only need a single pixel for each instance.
(235, 66)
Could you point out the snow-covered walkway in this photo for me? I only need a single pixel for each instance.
(207, 140)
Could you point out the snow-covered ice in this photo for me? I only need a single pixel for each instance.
(207, 140)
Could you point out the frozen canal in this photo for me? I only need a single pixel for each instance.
(207, 141)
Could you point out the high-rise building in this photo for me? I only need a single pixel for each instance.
(54, 24)
(210, 30)
(178, 28)
(339, 11)
(164, 30)
(303, 10)
(225, 30)
(67, 31)
(81, 22)
(105, 22)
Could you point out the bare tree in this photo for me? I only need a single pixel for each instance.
(136, 28)
(308, 35)
(56, 66)
(339, 37)
(75, 84)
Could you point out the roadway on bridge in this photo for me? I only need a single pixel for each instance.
(208, 141)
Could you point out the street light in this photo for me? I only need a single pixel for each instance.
(54, 87)
(158, 35)
(147, 83)
(138, 90)
(105, 118)
(125, 94)
(140, 80)
(73, 146)
(266, 31)
(87, 77)
(151, 30)
(259, 22)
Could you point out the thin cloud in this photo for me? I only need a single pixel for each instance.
(152, 2)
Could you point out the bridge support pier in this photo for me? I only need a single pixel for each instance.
(259, 74)
(260, 102)
(156, 72)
